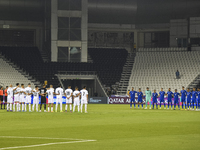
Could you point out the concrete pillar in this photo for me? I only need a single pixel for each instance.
(84, 31)
(54, 30)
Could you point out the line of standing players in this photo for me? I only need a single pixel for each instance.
(17, 98)
(188, 98)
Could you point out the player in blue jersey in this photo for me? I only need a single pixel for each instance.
(188, 98)
(155, 96)
(198, 99)
(176, 94)
(132, 97)
(194, 97)
(183, 94)
(140, 94)
(169, 97)
(161, 95)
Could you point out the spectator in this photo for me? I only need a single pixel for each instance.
(177, 74)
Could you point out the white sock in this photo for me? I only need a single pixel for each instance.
(22, 107)
(70, 106)
(33, 107)
(10, 106)
(19, 106)
(48, 108)
(78, 108)
(85, 107)
(25, 106)
(81, 107)
(29, 107)
(66, 107)
(51, 108)
(61, 106)
(14, 107)
(36, 107)
(56, 106)
(7, 106)
(74, 107)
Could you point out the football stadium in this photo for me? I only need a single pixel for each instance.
(100, 74)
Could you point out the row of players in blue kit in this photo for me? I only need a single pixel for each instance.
(188, 98)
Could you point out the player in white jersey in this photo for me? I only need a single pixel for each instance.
(16, 97)
(36, 94)
(59, 92)
(22, 96)
(28, 96)
(10, 97)
(84, 98)
(68, 95)
(50, 92)
(76, 97)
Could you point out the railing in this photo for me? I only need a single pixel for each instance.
(77, 72)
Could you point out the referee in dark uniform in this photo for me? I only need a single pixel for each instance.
(43, 97)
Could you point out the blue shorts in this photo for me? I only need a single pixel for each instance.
(183, 100)
(162, 100)
(140, 100)
(198, 100)
(154, 101)
(169, 100)
(176, 102)
(193, 101)
(188, 101)
(132, 100)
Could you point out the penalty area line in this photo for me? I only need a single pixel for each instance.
(46, 144)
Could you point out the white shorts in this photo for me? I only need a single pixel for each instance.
(35, 100)
(69, 101)
(77, 102)
(10, 99)
(22, 99)
(16, 98)
(50, 100)
(59, 100)
(84, 101)
(28, 99)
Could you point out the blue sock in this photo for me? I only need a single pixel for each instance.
(134, 105)
(185, 106)
(188, 105)
(160, 104)
(156, 105)
(153, 105)
(182, 105)
(142, 105)
(131, 104)
(174, 105)
(164, 104)
(193, 105)
(168, 104)
(138, 105)
(171, 104)
(178, 106)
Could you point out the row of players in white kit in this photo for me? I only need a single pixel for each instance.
(23, 96)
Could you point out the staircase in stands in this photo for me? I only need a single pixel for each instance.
(122, 87)
(24, 73)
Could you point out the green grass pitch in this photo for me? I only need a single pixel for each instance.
(109, 127)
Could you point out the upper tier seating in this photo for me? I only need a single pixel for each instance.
(108, 63)
(156, 69)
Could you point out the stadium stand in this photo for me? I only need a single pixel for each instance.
(155, 68)
(9, 75)
(108, 63)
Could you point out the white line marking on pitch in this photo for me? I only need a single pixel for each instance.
(19, 137)
(45, 144)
